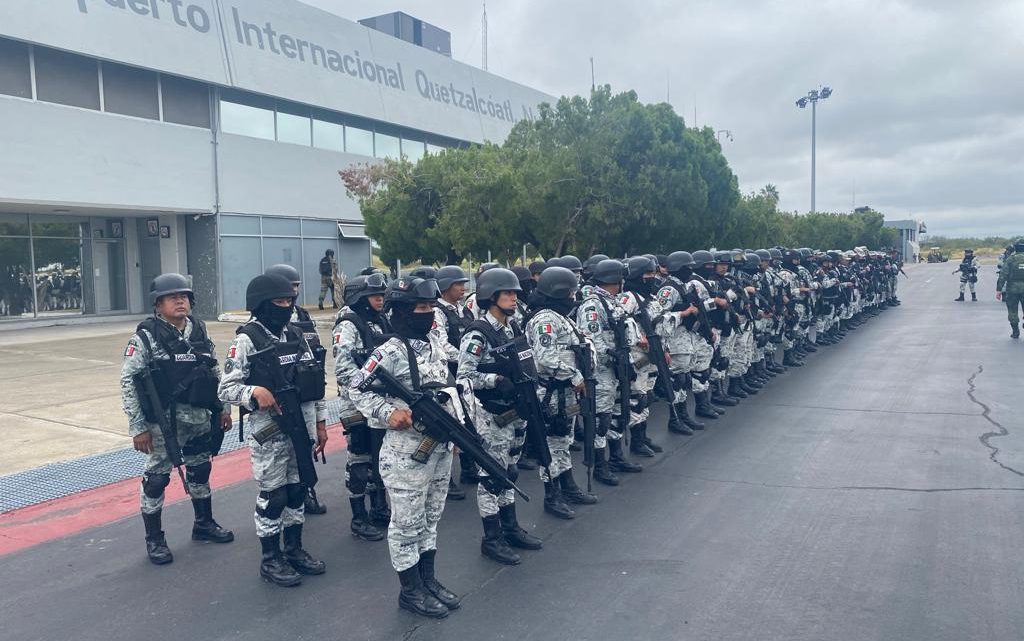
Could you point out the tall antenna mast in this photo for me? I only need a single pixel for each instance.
(593, 78)
(483, 37)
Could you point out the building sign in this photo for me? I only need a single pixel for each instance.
(285, 49)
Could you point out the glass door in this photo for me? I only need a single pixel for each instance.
(108, 266)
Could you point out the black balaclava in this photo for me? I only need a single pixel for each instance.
(683, 273)
(410, 324)
(363, 310)
(563, 306)
(273, 317)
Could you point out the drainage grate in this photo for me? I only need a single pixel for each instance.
(62, 479)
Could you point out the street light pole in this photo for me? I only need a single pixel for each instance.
(813, 97)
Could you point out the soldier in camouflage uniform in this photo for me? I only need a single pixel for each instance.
(172, 330)
(328, 267)
(417, 490)
(597, 312)
(495, 416)
(1010, 287)
(275, 465)
(360, 328)
(557, 344)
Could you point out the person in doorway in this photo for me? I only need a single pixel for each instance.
(328, 269)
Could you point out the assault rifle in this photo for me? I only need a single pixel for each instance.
(588, 405)
(658, 356)
(527, 402)
(153, 410)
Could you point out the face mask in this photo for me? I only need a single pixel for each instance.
(649, 286)
(562, 306)
(415, 325)
(274, 317)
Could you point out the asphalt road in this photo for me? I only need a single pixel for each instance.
(874, 494)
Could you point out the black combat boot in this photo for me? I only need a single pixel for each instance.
(525, 463)
(748, 385)
(636, 444)
(455, 493)
(554, 504)
(808, 346)
(273, 566)
(654, 447)
(602, 473)
(678, 426)
(361, 526)
(959, 299)
(572, 492)
(313, 504)
(617, 460)
(974, 296)
(790, 359)
(735, 390)
(299, 558)
(689, 421)
(494, 546)
(1015, 330)
(719, 395)
(320, 304)
(776, 367)
(702, 406)
(205, 528)
(380, 513)
(469, 471)
(415, 597)
(441, 593)
(516, 536)
(156, 543)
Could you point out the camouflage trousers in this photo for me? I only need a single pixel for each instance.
(193, 439)
(742, 353)
(561, 459)
(327, 283)
(505, 444)
(417, 493)
(274, 467)
(964, 284)
(683, 350)
(726, 345)
(703, 352)
(1014, 301)
(642, 396)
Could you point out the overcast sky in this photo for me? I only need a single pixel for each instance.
(926, 120)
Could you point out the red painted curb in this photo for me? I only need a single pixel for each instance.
(29, 526)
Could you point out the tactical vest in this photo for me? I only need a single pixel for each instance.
(308, 329)
(371, 340)
(503, 350)
(456, 324)
(1013, 269)
(187, 376)
(284, 364)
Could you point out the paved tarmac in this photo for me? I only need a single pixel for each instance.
(875, 494)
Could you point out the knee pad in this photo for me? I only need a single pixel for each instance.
(357, 476)
(276, 500)
(198, 474)
(296, 495)
(604, 423)
(153, 484)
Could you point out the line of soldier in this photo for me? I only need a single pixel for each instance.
(536, 363)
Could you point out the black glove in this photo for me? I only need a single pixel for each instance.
(493, 485)
(505, 387)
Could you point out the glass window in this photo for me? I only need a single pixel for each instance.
(328, 135)
(245, 120)
(386, 146)
(130, 91)
(240, 225)
(16, 298)
(15, 76)
(67, 79)
(434, 149)
(413, 149)
(15, 225)
(56, 229)
(321, 228)
(58, 275)
(286, 251)
(359, 141)
(241, 259)
(280, 227)
(293, 129)
(185, 102)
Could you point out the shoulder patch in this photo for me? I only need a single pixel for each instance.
(593, 316)
(545, 328)
(130, 351)
(232, 351)
(593, 327)
(474, 348)
(624, 300)
(545, 340)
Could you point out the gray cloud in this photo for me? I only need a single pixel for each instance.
(927, 118)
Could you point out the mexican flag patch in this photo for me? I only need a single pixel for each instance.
(546, 328)
(474, 348)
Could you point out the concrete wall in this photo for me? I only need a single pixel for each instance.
(201, 237)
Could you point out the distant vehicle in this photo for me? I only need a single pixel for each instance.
(935, 255)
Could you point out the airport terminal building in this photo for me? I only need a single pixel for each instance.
(205, 137)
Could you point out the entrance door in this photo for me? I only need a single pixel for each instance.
(149, 260)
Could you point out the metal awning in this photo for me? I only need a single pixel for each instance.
(353, 231)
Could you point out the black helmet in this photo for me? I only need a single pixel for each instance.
(662, 260)
(166, 284)
(537, 266)
(557, 282)
(637, 266)
(591, 263)
(805, 252)
(522, 273)
(764, 254)
(329, 252)
(267, 287)
(449, 275)
(425, 272)
(609, 272)
(677, 260)
(701, 257)
(496, 280)
(792, 254)
(739, 258)
(752, 263)
(835, 255)
(723, 258)
(485, 266)
(409, 290)
(571, 263)
(968, 251)
(775, 253)
(287, 271)
(361, 287)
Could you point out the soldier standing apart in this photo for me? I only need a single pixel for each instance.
(362, 327)
(328, 268)
(174, 350)
(417, 490)
(598, 311)
(302, 320)
(968, 270)
(557, 345)
(496, 419)
(267, 357)
(1010, 286)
